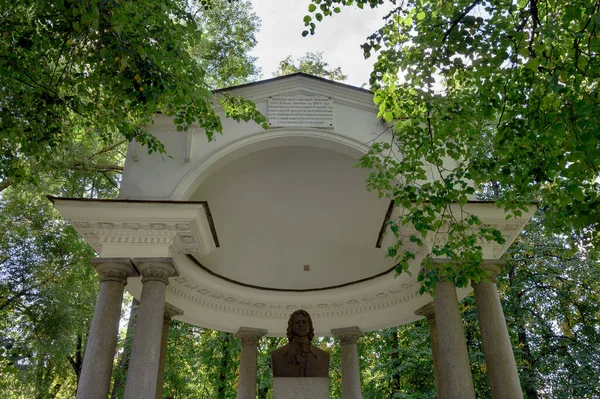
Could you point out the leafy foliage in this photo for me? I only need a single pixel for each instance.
(397, 363)
(100, 70)
(312, 64)
(200, 363)
(228, 36)
(484, 92)
(47, 293)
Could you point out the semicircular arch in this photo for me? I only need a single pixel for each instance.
(263, 140)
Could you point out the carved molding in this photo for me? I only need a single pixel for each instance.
(179, 236)
(493, 268)
(347, 335)
(113, 275)
(494, 249)
(250, 336)
(155, 269)
(228, 302)
(114, 269)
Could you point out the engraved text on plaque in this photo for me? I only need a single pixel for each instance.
(300, 111)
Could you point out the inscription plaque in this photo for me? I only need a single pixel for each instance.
(300, 111)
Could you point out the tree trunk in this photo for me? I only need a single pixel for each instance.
(223, 365)
(395, 358)
(530, 383)
(121, 371)
(263, 390)
(77, 360)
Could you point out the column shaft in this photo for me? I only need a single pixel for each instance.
(100, 349)
(351, 388)
(499, 357)
(455, 368)
(429, 312)
(142, 375)
(248, 361)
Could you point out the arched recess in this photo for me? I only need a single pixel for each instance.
(319, 138)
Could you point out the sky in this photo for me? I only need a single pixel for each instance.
(339, 37)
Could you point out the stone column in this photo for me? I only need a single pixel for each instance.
(248, 361)
(350, 369)
(455, 369)
(429, 312)
(170, 312)
(145, 349)
(102, 340)
(499, 357)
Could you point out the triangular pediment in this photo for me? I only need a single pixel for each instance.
(304, 84)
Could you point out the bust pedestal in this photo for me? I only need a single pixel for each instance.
(300, 388)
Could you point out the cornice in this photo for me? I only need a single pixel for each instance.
(231, 302)
(182, 227)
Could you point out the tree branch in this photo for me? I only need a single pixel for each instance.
(93, 167)
(6, 183)
(107, 149)
(454, 23)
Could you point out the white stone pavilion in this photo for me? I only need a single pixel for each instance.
(236, 234)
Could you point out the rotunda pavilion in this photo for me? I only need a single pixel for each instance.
(238, 233)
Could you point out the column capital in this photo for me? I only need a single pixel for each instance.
(114, 269)
(249, 335)
(347, 335)
(428, 311)
(170, 312)
(493, 267)
(155, 269)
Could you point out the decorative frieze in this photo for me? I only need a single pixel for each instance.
(227, 301)
(178, 236)
(137, 228)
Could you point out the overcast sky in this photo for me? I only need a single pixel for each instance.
(339, 37)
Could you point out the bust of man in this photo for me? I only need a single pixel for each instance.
(299, 358)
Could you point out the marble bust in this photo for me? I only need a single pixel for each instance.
(299, 358)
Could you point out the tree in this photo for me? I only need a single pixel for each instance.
(47, 290)
(201, 363)
(229, 29)
(510, 91)
(312, 64)
(398, 363)
(78, 71)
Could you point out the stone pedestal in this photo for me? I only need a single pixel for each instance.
(429, 312)
(248, 361)
(300, 388)
(455, 368)
(499, 357)
(350, 368)
(170, 312)
(102, 340)
(145, 349)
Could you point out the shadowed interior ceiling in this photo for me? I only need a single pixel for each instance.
(294, 218)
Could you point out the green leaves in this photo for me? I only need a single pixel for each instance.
(102, 69)
(312, 64)
(485, 99)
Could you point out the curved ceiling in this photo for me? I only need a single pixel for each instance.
(294, 218)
